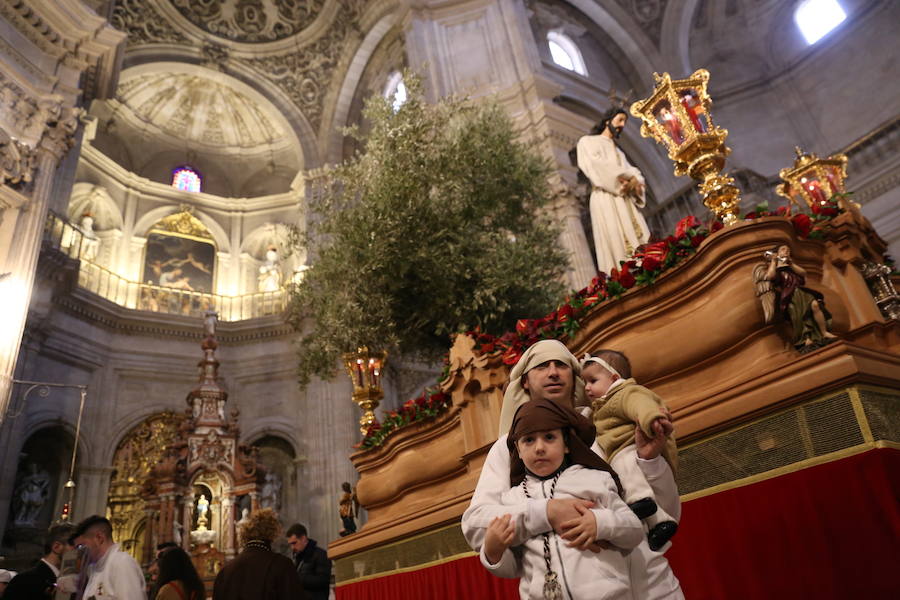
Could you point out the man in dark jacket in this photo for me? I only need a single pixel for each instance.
(312, 563)
(40, 581)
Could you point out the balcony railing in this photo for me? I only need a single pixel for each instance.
(61, 235)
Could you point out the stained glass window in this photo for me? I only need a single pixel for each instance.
(186, 179)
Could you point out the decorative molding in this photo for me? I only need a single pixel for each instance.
(648, 14)
(17, 163)
(144, 24)
(250, 21)
(305, 74)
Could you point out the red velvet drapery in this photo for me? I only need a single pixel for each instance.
(828, 532)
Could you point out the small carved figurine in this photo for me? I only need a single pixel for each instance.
(349, 508)
(780, 288)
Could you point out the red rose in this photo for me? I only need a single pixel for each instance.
(802, 224)
(751, 215)
(686, 223)
(650, 263)
(783, 211)
(487, 348)
(697, 240)
(717, 226)
(625, 278)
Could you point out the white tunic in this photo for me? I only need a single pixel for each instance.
(115, 576)
(651, 576)
(619, 227)
(582, 574)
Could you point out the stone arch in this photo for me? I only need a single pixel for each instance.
(39, 489)
(633, 42)
(88, 197)
(675, 37)
(333, 145)
(152, 217)
(135, 455)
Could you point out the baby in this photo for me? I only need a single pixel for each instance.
(618, 405)
(550, 457)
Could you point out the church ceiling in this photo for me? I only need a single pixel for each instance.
(197, 109)
(297, 46)
(648, 14)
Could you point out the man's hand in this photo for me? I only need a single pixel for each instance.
(649, 448)
(561, 511)
(581, 532)
(498, 538)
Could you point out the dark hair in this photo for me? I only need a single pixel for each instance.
(58, 533)
(296, 529)
(165, 546)
(608, 116)
(616, 360)
(346, 487)
(176, 565)
(94, 522)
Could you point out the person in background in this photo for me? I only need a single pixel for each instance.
(40, 581)
(313, 566)
(258, 573)
(178, 578)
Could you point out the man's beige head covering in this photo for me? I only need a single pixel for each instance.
(538, 353)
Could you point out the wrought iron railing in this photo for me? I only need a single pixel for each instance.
(64, 237)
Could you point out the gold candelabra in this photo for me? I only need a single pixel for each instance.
(813, 180)
(365, 369)
(677, 115)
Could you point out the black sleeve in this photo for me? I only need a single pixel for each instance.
(319, 576)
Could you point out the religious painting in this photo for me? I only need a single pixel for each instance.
(180, 262)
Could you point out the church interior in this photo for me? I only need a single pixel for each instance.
(159, 159)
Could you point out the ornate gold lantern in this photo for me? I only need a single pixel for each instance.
(677, 115)
(813, 180)
(365, 370)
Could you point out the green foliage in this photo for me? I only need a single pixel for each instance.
(437, 227)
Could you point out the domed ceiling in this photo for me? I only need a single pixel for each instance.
(250, 21)
(197, 109)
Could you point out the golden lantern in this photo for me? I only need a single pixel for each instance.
(677, 115)
(365, 369)
(813, 180)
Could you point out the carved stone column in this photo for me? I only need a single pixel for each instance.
(572, 237)
(227, 530)
(187, 513)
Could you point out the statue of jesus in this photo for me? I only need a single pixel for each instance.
(617, 192)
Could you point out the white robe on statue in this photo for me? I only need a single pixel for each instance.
(619, 227)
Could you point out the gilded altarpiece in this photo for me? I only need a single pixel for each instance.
(136, 456)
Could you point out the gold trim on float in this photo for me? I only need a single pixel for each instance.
(860, 412)
(425, 565)
(791, 468)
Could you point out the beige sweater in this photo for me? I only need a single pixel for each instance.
(615, 417)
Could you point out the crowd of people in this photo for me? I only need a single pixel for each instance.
(103, 570)
(577, 499)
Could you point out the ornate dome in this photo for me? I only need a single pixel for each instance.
(196, 108)
(250, 21)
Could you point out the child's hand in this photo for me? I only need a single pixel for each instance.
(498, 538)
(651, 447)
(583, 531)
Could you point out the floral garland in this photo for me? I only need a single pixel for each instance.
(649, 262)
(429, 404)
